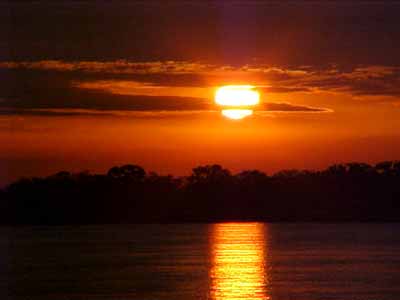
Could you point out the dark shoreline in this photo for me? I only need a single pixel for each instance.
(353, 192)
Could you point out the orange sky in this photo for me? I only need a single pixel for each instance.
(174, 142)
(86, 86)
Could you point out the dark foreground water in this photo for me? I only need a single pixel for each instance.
(195, 261)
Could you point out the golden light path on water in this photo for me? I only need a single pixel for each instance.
(238, 261)
(237, 99)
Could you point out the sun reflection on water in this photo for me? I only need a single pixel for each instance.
(238, 258)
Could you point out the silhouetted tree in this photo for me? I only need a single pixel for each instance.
(127, 172)
(126, 194)
(358, 168)
(336, 170)
(251, 177)
(209, 174)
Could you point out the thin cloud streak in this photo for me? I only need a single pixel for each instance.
(160, 111)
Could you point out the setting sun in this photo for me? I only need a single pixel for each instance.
(236, 114)
(237, 95)
(236, 98)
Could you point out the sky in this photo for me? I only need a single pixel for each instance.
(90, 85)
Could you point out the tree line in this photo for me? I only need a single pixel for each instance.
(211, 193)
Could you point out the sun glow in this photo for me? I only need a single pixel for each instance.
(237, 95)
(237, 99)
(236, 114)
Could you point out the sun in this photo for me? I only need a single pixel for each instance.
(237, 95)
(236, 114)
(237, 100)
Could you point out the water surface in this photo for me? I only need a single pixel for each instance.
(202, 261)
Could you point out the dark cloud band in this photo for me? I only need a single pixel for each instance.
(363, 80)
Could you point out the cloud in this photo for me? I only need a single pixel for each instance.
(283, 89)
(103, 101)
(287, 107)
(26, 90)
(160, 110)
(362, 80)
(130, 87)
(62, 112)
(114, 67)
(172, 86)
